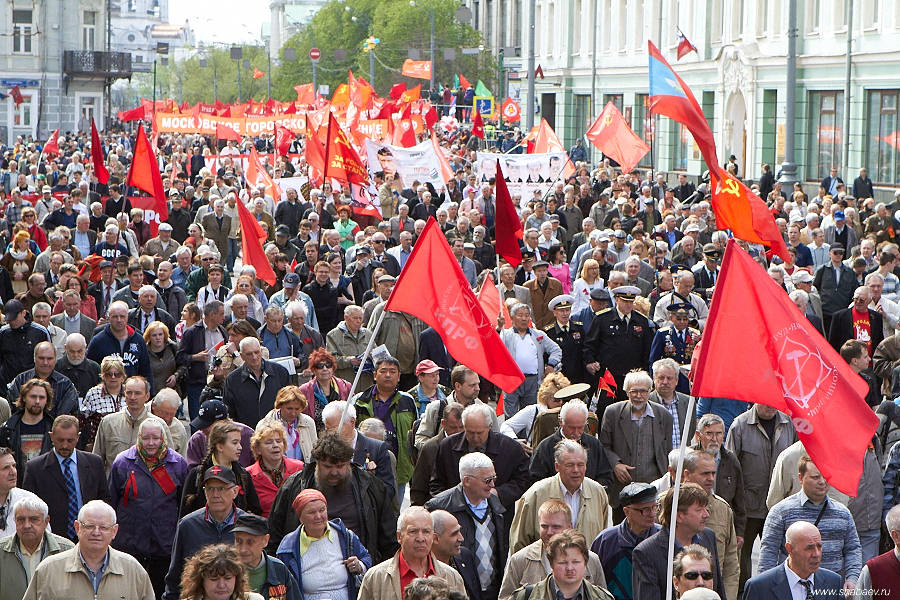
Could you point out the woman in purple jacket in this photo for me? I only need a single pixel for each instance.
(145, 485)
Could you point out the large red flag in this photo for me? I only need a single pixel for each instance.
(305, 93)
(404, 134)
(135, 114)
(397, 90)
(314, 153)
(255, 171)
(785, 364)
(100, 170)
(449, 305)
(341, 160)
(611, 135)
(478, 125)
(739, 209)
(144, 173)
(507, 225)
(283, 139)
(51, 147)
(252, 237)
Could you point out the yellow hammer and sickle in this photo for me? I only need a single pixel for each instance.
(607, 120)
(342, 139)
(731, 187)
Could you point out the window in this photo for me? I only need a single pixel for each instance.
(23, 29)
(616, 99)
(489, 23)
(870, 13)
(517, 28)
(637, 23)
(840, 15)
(23, 112)
(681, 146)
(812, 16)
(88, 30)
(538, 31)
(883, 139)
(551, 18)
(762, 17)
(825, 136)
(716, 21)
(582, 114)
(642, 124)
(622, 25)
(737, 19)
(606, 19)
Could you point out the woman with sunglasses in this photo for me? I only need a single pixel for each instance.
(102, 399)
(29, 217)
(324, 387)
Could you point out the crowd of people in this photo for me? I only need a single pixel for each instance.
(175, 427)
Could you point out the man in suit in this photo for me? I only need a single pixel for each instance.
(631, 422)
(104, 290)
(53, 474)
(402, 222)
(71, 320)
(676, 341)
(450, 424)
(857, 323)
(509, 289)
(368, 454)
(840, 232)
(831, 182)
(801, 575)
(148, 311)
(706, 274)
(648, 576)
(543, 289)
(217, 227)
(836, 284)
(83, 237)
(388, 261)
(448, 548)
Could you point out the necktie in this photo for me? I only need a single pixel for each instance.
(565, 329)
(146, 320)
(106, 300)
(3, 518)
(808, 585)
(72, 506)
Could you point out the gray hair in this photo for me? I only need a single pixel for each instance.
(31, 502)
(97, 505)
(152, 423)
(352, 308)
(517, 307)
(408, 512)
(637, 376)
(336, 409)
(439, 520)
(40, 306)
(474, 461)
(573, 407)
(665, 363)
(872, 276)
(247, 341)
(75, 338)
(709, 419)
(293, 307)
(799, 296)
(692, 459)
(373, 427)
(275, 311)
(566, 446)
(892, 520)
(212, 307)
(477, 408)
(674, 453)
(165, 395)
(147, 288)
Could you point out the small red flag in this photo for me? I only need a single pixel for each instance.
(608, 383)
(685, 46)
(511, 111)
(397, 90)
(507, 225)
(144, 173)
(611, 135)
(412, 94)
(416, 69)
(293, 266)
(51, 147)
(797, 371)
(305, 93)
(100, 170)
(489, 298)
(341, 160)
(430, 117)
(283, 139)
(224, 132)
(405, 134)
(501, 407)
(257, 74)
(478, 125)
(16, 94)
(463, 82)
(449, 305)
(252, 237)
(135, 114)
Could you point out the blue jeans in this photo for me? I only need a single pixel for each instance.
(234, 246)
(868, 540)
(522, 396)
(193, 395)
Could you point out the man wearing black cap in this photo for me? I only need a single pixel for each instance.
(599, 300)
(266, 574)
(706, 274)
(615, 544)
(212, 524)
(676, 340)
(283, 242)
(18, 338)
(836, 283)
(569, 336)
(525, 271)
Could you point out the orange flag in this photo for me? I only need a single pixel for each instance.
(341, 160)
(404, 134)
(463, 82)
(737, 208)
(546, 140)
(417, 69)
(478, 125)
(489, 299)
(252, 238)
(341, 95)
(412, 94)
(255, 172)
(511, 111)
(257, 74)
(446, 169)
(611, 135)
(144, 173)
(360, 95)
(305, 93)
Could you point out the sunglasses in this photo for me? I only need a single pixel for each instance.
(114, 374)
(322, 365)
(692, 575)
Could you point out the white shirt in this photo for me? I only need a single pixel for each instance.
(798, 591)
(525, 353)
(573, 499)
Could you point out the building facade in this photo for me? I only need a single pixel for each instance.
(56, 52)
(287, 17)
(738, 75)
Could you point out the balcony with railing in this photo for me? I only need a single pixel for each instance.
(88, 63)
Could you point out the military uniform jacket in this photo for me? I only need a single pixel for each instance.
(571, 342)
(668, 344)
(616, 346)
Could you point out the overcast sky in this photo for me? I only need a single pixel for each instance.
(225, 21)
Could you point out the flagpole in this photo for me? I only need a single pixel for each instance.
(359, 370)
(677, 489)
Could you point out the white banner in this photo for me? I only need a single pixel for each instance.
(525, 173)
(291, 183)
(418, 163)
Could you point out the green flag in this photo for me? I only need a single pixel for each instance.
(456, 82)
(481, 89)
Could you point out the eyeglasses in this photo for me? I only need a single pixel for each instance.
(692, 575)
(205, 258)
(638, 391)
(322, 365)
(94, 527)
(647, 510)
(216, 490)
(485, 480)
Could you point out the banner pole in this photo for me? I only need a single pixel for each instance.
(677, 485)
(362, 363)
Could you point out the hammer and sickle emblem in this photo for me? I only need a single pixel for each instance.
(342, 139)
(730, 186)
(607, 120)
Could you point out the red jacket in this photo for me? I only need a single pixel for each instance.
(265, 488)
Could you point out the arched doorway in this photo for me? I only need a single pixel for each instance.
(735, 131)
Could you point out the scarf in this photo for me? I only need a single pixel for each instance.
(319, 393)
(19, 254)
(153, 461)
(276, 474)
(292, 433)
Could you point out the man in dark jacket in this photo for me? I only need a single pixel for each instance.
(18, 339)
(121, 340)
(65, 396)
(82, 372)
(857, 323)
(27, 432)
(836, 283)
(448, 548)
(195, 348)
(250, 390)
(251, 534)
(572, 420)
(179, 218)
(355, 496)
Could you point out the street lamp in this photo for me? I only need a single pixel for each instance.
(430, 12)
(368, 44)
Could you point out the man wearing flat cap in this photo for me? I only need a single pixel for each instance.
(267, 575)
(619, 339)
(707, 272)
(569, 336)
(599, 300)
(615, 544)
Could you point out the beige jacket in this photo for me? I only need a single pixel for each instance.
(118, 432)
(721, 521)
(784, 477)
(592, 516)
(531, 565)
(12, 573)
(382, 582)
(179, 436)
(64, 577)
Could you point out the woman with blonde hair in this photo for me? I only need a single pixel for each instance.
(19, 261)
(162, 356)
(581, 289)
(104, 398)
(300, 428)
(272, 467)
(216, 573)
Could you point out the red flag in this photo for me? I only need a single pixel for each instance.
(405, 134)
(397, 90)
(314, 153)
(252, 237)
(283, 139)
(293, 264)
(100, 170)
(489, 298)
(685, 46)
(135, 114)
(507, 225)
(501, 406)
(257, 74)
(446, 169)
(224, 132)
(795, 370)
(341, 160)
(611, 135)
(305, 93)
(737, 208)
(144, 173)
(430, 117)
(511, 111)
(608, 383)
(51, 147)
(16, 94)
(478, 125)
(255, 172)
(448, 304)
(464, 82)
